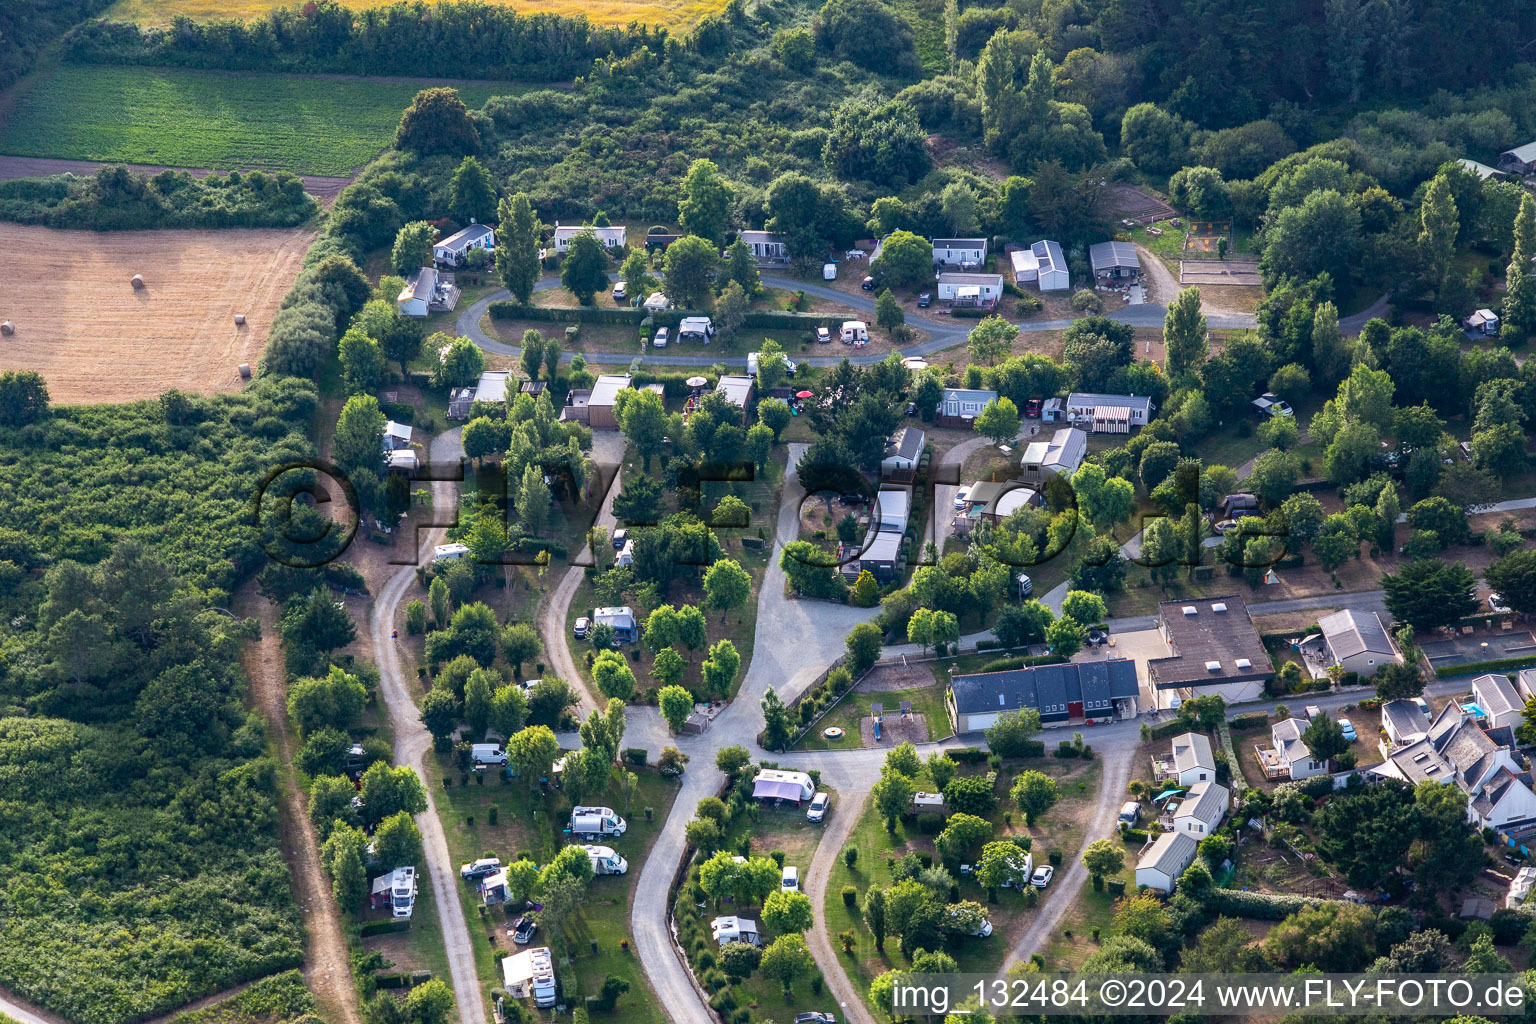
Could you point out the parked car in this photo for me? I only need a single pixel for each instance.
(960, 496)
(619, 537)
(1130, 813)
(911, 408)
(1042, 876)
(823, 336)
(925, 300)
(1097, 638)
(1313, 712)
(580, 632)
(790, 881)
(523, 929)
(1424, 707)
(620, 293)
(1032, 408)
(1347, 728)
(815, 1018)
(1496, 603)
(818, 809)
(482, 868)
(868, 284)
(660, 341)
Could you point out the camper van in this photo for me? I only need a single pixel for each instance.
(449, 552)
(726, 930)
(855, 332)
(397, 891)
(487, 753)
(593, 822)
(789, 364)
(530, 975)
(606, 861)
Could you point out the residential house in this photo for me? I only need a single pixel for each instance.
(611, 237)
(453, 250)
(426, 291)
(1403, 721)
(1216, 650)
(1108, 414)
(970, 289)
(1288, 757)
(1483, 322)
(1357, 642)
(903, 451)
(1481, 170)
(963, 252)
(1093, 691)
(622, 618)
(1525, 684)
(604, 396)
(1114, 262)
(1190, 761)
(1199, 812)
(1042, 264)
(1162, 863)
(959, 407)
(1457, 750)
(1500, 703)
(1060, 456)
(737, 389)
(1520, 160)
(767, 246)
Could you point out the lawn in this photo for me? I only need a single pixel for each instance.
(665, 13)
(306, 124)
(529, 824)
(927, 701)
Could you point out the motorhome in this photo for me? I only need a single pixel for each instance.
(396, 890)
(606, 861)
(530, 974)
(593, 822)
(726, 930)
(449, 552)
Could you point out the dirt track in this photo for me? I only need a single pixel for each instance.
(321, 187)
(95, 338)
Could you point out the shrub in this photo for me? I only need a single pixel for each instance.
(850, 895)
(635, 755)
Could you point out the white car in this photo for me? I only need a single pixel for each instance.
(791, 880)
(984, 930)
(1042, 876)
(1496, 603)
(818, 809)
(960, 497)
(660, 340)
(823, 336)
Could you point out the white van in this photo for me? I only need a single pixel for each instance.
(789, 364)
(488, 753)
(449, 552)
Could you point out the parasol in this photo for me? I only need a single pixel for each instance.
(802, 394)
(695, 382)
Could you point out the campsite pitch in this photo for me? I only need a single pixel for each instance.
(95, 338)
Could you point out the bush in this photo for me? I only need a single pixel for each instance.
(968, 755)
(1250, 720)
(1055, 858)
(1261, 905)
(850, 895)
(635, 755)
(930, 824)
(368, 928)
(1116, 886)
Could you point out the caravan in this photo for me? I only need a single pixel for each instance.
(855, 333)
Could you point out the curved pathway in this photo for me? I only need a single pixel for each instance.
(412, 741)
(944, 333)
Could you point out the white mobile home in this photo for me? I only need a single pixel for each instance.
(454, 249)
(1165, 860)
(767, 246)
(964, 252)
(957, 287)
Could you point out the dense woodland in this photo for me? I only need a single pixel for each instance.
(26, 28)
(115, 199)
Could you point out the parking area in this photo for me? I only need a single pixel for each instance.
(1482, 644)
(1141, 646)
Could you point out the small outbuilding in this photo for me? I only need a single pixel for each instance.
(1483, 322)
(1114, 262)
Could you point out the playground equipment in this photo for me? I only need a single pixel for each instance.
(877, 712)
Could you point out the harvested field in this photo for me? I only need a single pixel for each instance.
(667, 13)
(95, 339)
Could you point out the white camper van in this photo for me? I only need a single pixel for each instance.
(593, 822)
(606, 861)
(449, 552)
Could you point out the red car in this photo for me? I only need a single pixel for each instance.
(1032, 408)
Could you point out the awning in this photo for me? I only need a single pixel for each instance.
(776, 790)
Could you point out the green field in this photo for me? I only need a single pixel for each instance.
(301, 123)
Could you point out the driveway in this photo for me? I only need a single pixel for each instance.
(412, 741)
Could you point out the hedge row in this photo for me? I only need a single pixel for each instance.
(1479, 667)
(382, 927)
(1166, 730)
(1010, 664)
(1263, 906)
(970, 755)
(1250, 720)
(758, 319)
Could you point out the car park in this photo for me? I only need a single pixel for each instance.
(580, 632)
(818, 809)
(1042, 876)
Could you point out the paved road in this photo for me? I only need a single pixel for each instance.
(26, 1013)
(944, 333)
(412, 741)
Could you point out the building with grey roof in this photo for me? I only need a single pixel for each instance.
(1060, 456)
(1200, 812)
(1164, 861)
(1108, 414)
(1521, 160)
(1288, 756)
(1216, 650)
(965, 252)
(1092, 691)
(1114, 261)
(1403, 721)
(1457, 750)
(959, 407)
(903, 450)
(1502, 705)
(1358, 642)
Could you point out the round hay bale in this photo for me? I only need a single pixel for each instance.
(138, 282)
(7, 328)
(239, 319)
(245, 371)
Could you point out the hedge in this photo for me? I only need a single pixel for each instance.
(1020, 661)
(1166, 730)
(382, 927)
(1479, 667)
(760, 319)
(1250, 720)
(970, 755)
(971, 312)
(1263, 906)
(635, 755)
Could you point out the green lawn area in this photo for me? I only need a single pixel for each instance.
(1072, 941)
(927, 701)
(300, 123)
(532, 824)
